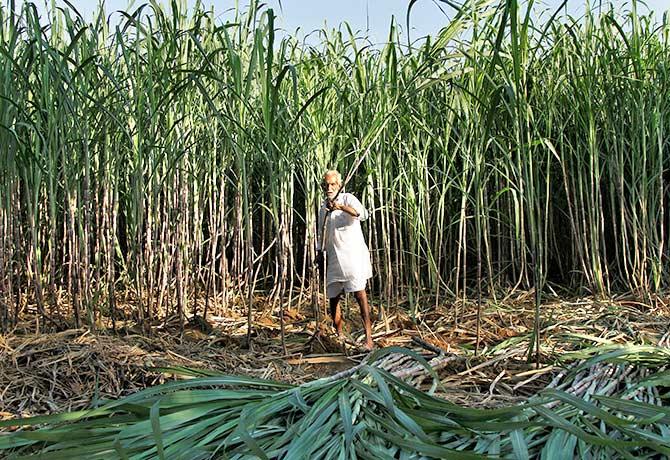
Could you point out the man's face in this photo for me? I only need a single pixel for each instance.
(330, 186)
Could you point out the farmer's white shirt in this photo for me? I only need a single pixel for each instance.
(346, 251)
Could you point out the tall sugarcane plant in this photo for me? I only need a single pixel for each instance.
(170, 160)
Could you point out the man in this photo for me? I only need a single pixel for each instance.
(347, 254)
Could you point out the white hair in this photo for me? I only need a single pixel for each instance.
(334, 172)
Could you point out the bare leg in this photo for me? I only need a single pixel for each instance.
(336, 314)
(362, 299)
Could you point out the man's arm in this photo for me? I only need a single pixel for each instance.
(353, 207)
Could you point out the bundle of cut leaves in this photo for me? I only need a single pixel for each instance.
(368, 412)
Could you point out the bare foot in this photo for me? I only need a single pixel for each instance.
(369, 346)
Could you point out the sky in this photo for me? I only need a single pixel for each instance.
(373, 16)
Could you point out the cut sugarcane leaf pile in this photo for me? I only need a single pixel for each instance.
(369, 412)
(90, 366)
(69, 370)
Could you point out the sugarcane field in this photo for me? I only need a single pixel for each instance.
(224, 238)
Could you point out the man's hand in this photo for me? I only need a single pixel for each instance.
(332, 206)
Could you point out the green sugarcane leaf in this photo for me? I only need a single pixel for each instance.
(344, 404)
(156, 429)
